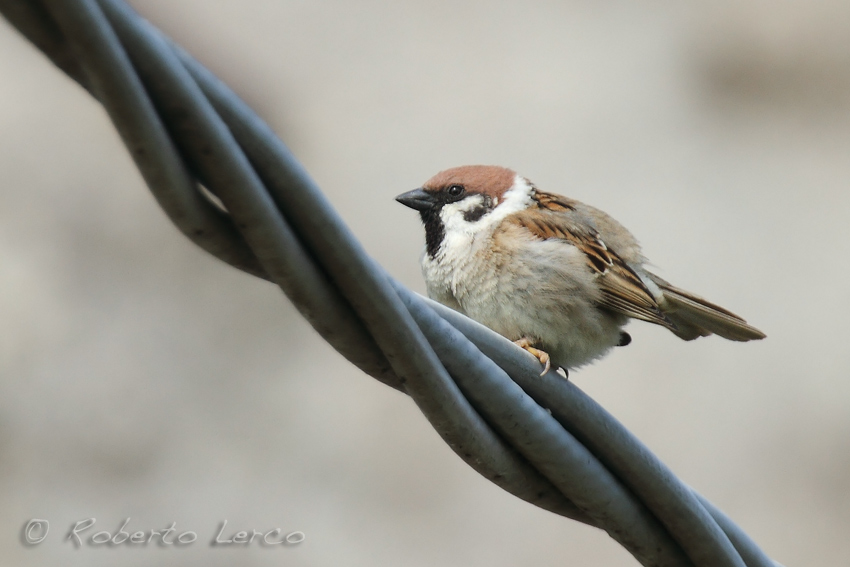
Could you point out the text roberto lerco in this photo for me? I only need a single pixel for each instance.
(82, 533)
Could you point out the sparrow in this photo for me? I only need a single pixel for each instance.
(559, 278)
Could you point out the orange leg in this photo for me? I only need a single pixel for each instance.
(542, 356)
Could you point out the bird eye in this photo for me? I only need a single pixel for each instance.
(455, 190)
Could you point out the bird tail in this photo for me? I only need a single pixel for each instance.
(695, 317)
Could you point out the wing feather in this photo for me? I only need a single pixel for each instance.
(623, 291)
(696, 316)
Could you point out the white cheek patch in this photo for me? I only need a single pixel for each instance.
(453, 214)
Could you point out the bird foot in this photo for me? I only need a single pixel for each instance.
(542, 356)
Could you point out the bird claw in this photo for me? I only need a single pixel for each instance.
(543, 356)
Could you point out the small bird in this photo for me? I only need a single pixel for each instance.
(556, 276)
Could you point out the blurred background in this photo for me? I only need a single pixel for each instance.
(141, 378)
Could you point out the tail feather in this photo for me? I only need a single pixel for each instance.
(695, 317)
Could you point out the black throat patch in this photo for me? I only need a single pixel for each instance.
(435, 231)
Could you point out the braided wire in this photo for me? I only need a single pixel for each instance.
(538, 437)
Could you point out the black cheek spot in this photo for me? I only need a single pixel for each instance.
(476, 213)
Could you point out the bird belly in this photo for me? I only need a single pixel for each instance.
(543, 292)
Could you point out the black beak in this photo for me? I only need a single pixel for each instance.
(418, 199)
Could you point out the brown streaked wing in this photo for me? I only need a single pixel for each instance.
(622, 289)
